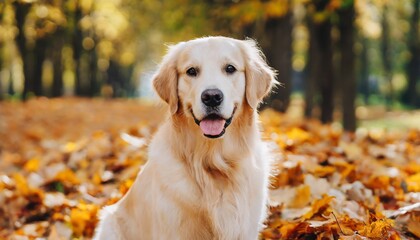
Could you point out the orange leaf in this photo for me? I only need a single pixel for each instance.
(322, 171)
(378, 229)
(413, 224)
(286, 229)
(318, 206)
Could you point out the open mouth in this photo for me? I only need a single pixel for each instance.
(213, 125)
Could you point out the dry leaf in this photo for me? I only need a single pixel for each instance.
(319, 206)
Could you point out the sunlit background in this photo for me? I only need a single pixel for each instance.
(339, 60)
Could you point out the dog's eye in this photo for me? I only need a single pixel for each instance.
(192, 72)
(230, 69)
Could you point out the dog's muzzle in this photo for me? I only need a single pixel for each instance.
(213, 125)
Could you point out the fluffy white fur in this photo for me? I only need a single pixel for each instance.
(194, 187)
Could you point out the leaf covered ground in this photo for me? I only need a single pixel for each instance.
(62, 160)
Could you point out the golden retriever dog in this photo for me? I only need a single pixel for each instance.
(207, 173)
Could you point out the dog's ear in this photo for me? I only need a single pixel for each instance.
(260, 78)
(165, 80)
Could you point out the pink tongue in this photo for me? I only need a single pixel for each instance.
(212, 126)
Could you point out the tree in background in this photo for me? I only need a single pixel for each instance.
(320, 80)
(55, 53)
(40, 29)
(387, 56)
(278, 30)
(101, 40)
(312, 66)
(93, 48)
(92, 33)
(2, 5)
(77, 40)
(21, 11)
(347, 74)
(364, 69)
(411, 94)
(271, 24)
(322, 17)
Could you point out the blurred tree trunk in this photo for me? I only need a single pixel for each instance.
(21, 11)
(320, 69)
(28, 73)
(386, 56)
(364, 70)
(40, 54)
(129, 86)
(1, 87)
(410, 95)
(1, 54)
(347, 68)
(249, 30)
(325, 74)
(93, 69)
(113, 75)
(57, 59)
(279, 55)
(1, 65)
(312, 67)
(78, 50)
(10, 88)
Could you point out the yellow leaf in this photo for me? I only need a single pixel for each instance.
(96, 179)
(125, 186)
(378, 229)
(412, 168)
(413, 183)
(78, 220)
(297, 134)
(67, 175)
(70, 147)
(322, 171)
(379, 182)
(21, 184)
(277, 8)
(302, 197)
(32, 165)
(83, 218)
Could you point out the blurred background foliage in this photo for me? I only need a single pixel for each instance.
(331, 55)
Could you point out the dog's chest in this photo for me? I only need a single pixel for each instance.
(230, 205)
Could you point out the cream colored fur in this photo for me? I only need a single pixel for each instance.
(194, 187)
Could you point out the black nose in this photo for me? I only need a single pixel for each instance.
(212, 97)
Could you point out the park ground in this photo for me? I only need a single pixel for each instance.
(61, 160)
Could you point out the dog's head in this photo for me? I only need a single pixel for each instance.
(211, 79)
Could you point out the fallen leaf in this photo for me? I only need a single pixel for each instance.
(319, 206)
